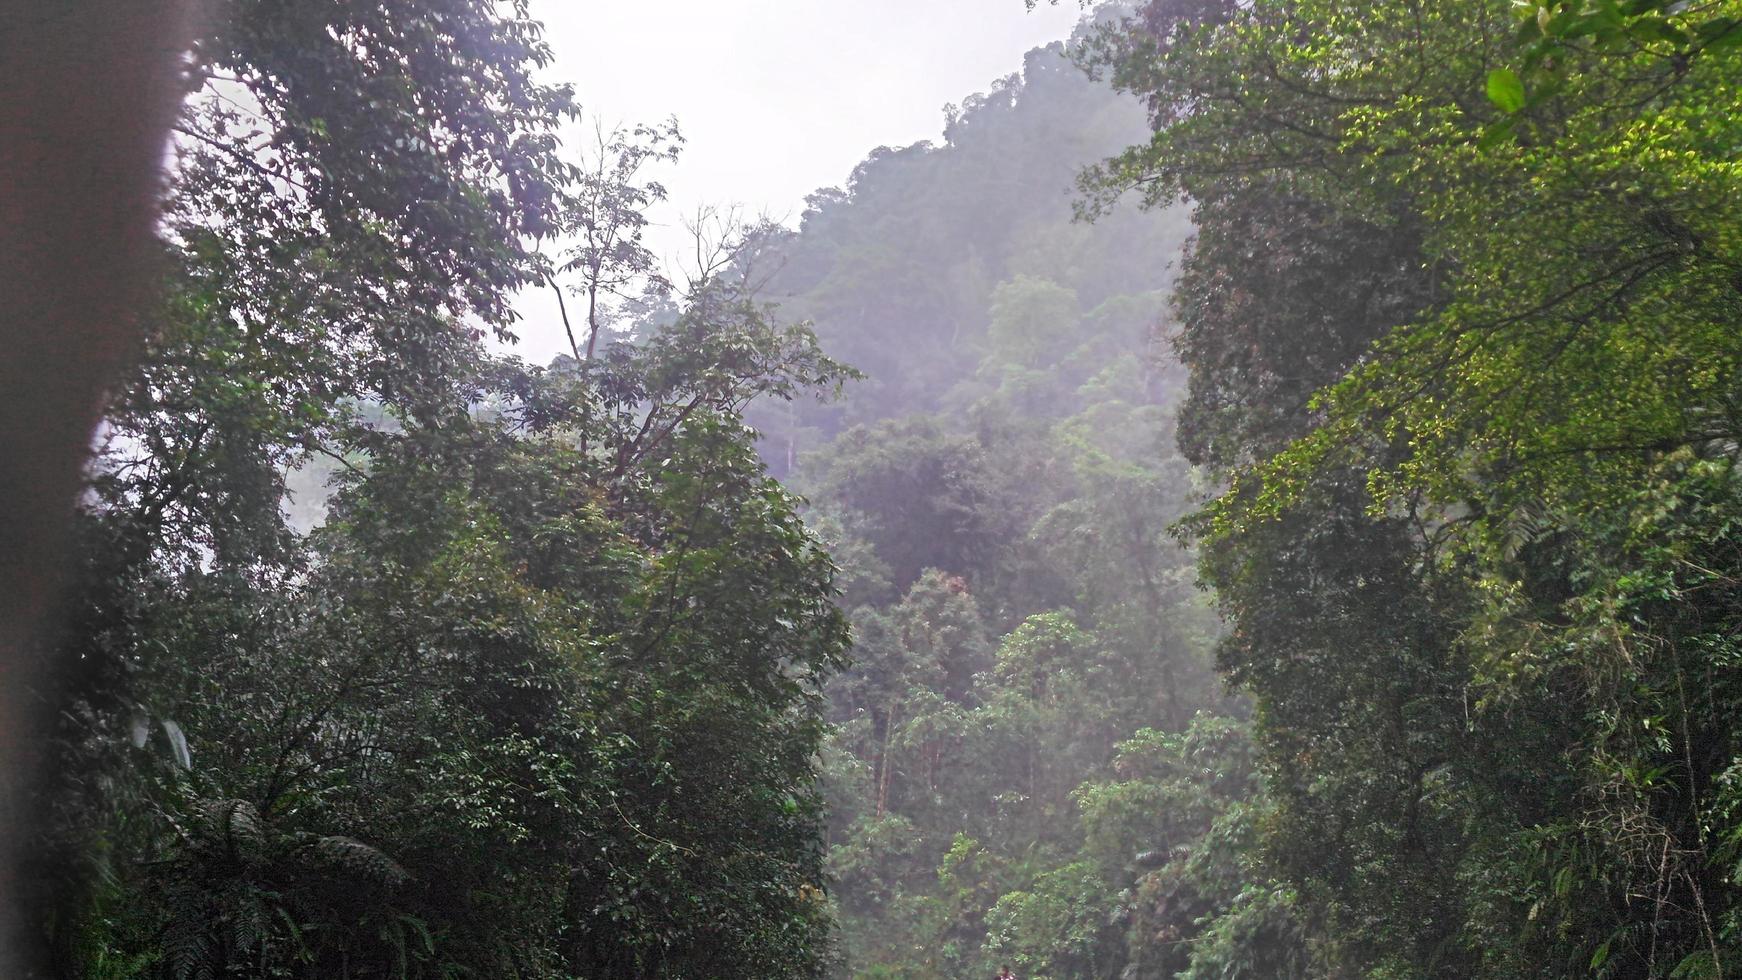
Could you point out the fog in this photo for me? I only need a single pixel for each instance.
(777, 98)
(1217, 488)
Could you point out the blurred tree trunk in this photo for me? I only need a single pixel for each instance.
(87, 92)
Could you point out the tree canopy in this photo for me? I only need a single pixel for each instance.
(540, 692)
(1474, 477)
(1257, 498)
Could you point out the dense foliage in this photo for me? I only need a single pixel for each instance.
(541, 696)
(1329, 570)
(1032, 763)
(1461, 321)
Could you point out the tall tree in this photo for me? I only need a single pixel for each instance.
(541, 696)
(1454, 467)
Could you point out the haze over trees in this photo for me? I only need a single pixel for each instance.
(1257, 499)
(1030, 724)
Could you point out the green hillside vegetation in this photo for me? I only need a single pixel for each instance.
(1032, 761)
(1258, 498)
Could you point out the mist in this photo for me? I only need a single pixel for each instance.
(777, 490)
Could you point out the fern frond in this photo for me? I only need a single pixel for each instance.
(358, 858)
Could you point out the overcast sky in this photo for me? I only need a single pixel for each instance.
(777, 98)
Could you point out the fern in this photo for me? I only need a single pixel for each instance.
(358, 858)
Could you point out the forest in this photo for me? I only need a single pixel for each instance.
(1258, 498)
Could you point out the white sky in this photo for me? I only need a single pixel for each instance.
(776, 98)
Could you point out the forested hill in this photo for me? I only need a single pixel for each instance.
(1030, 723)
(935, 257)
(1458, 335)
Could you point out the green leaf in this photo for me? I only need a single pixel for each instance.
(1497, 133)
(1649, 29)
(1506, 89)
(1720, 32)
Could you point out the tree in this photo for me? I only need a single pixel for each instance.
(340, 199)
(925, 498)
(541, 696)
(1430, 453)
(606, 213)
(521, 690)
(86, 105)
